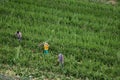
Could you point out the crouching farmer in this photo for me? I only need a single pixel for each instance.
(61, 60)
(19, 35)
(46, 47)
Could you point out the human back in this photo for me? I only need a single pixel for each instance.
(46, 47)
(61, 58)
(18, 35)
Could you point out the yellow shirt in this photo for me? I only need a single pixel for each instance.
(46, 47)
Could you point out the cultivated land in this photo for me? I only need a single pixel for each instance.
(87, 32)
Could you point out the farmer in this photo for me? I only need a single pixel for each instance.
(46, 47)
(61, 59)
(18, 35)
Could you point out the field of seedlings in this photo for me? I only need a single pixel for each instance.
(86, 32)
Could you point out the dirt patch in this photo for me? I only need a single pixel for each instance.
(112, 2)
(10, 73)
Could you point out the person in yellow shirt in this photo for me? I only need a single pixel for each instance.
(46, 47)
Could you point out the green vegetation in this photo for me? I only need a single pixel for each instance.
(86, 32)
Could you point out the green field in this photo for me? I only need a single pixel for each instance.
(86, 32)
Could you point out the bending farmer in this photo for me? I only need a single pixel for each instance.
(18, 35)
(61, 60)
(46, 47)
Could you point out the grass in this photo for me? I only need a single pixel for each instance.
(87, 33)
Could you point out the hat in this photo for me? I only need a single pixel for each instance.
(46, 43)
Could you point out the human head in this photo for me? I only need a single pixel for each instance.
(60, 53)
(46, 43)
(17, 31)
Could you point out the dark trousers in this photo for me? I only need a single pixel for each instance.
(19, 38)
